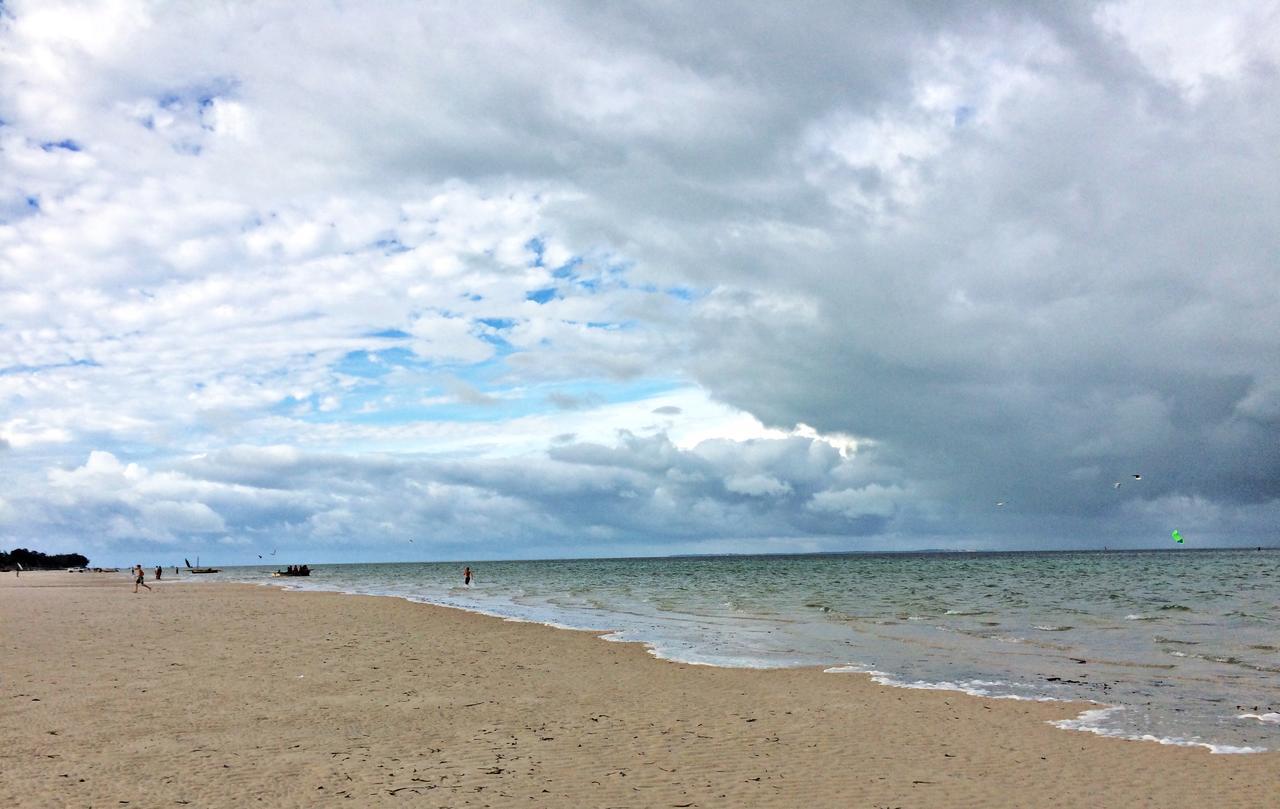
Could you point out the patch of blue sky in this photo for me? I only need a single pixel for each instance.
(684, 293)
(681, 293)
(541, 296)
(388, 334)
(19, 207)
(415, 405)
(201, 95)
(500, 345)
(607, 391)
(372, 364)
(963, 115)
(66, 144)
(389, 246)
(569, 269)
(538, 247)
(15, 370)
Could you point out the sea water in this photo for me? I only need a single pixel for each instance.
(1180, 646)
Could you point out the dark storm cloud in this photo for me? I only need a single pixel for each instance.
(1018, 251)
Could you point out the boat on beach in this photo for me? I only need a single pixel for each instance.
(292, 570)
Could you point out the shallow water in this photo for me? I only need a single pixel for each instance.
(1177, 646)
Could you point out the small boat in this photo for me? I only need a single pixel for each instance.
(198, 569)
(300, 570)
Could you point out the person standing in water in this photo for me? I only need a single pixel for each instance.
(139, 578)
(466, 576)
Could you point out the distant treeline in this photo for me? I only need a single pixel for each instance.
(35, 560)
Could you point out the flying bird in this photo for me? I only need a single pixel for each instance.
(1118, 484)
(1000, 504)
(1137, 477)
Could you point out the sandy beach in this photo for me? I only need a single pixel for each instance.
(213, 695)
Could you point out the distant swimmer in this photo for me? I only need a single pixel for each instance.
(466, 576)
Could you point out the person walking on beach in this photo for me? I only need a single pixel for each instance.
(466, 576)
(157, 573)
(139, 578)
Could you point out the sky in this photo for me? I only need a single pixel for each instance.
(392, 281)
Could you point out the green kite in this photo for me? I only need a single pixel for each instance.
(1176, 536)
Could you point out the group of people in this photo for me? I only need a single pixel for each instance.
(140, 577)
(301, 570)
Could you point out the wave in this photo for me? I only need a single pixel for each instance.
(1268, 718)
(1051, 627)
(1232, 660)
(1090, 722)
(991, 689)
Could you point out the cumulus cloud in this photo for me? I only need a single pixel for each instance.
(985, 253)
(636, 495)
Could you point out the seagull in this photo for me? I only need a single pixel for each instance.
(1137, 477)
(1000, 504)
(1118, 484)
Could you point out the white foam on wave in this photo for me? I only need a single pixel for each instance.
(1140, 617)
(1268, 718)
(1088, 721)
(975, 688)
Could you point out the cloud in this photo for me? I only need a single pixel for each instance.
(997, 256)
(637, 495)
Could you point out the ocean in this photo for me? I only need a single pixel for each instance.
(1177, 647)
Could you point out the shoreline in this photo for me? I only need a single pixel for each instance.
(1089, 719)
(153, 698)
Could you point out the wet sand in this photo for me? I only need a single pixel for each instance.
(220, 695)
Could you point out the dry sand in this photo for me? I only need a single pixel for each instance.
(212, 695)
